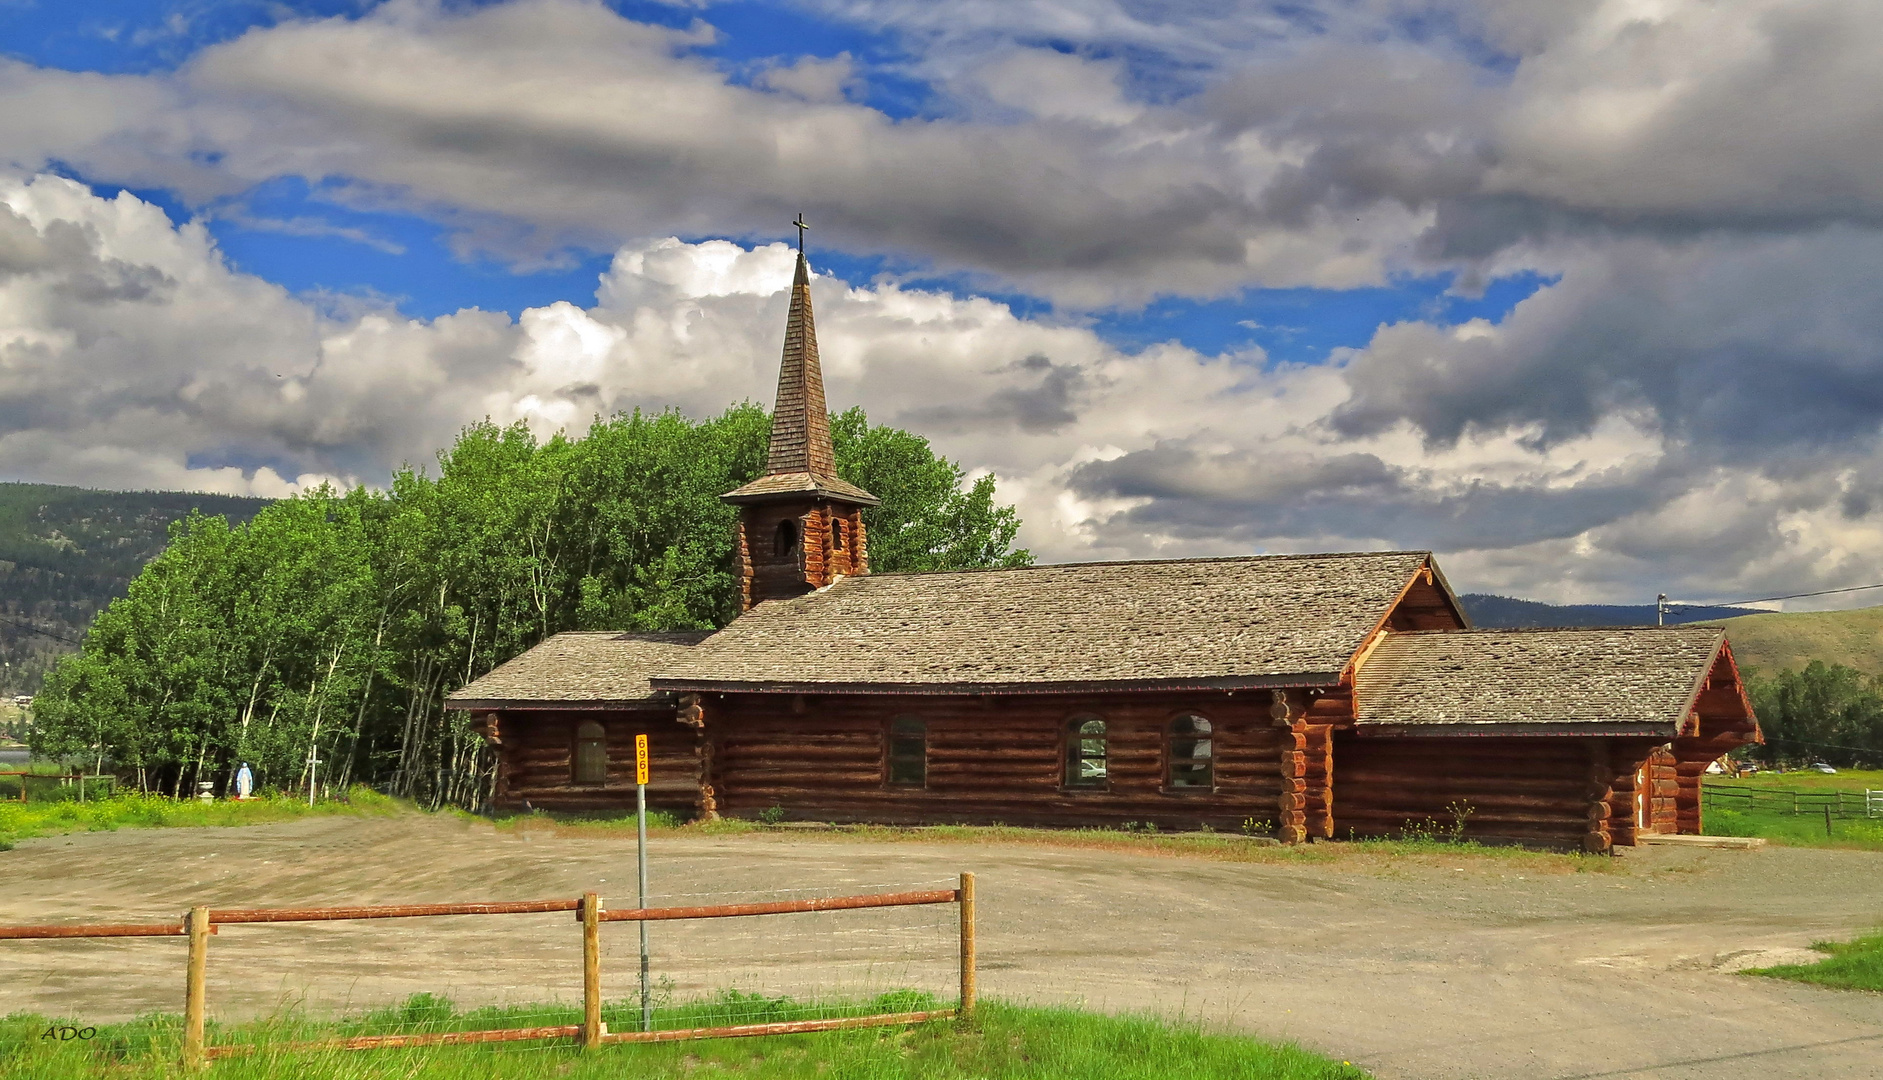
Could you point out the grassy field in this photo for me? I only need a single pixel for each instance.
(1805, 780)
(1851, 965)
(1779, 640)
(1005, 1042)
(1803, 829)
(1797, 830)
(49, 817)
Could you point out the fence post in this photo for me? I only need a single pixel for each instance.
(591, 971)
(193, 993)
(966, 901)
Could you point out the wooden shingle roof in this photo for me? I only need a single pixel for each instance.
(579, 670)
(1261, 621)
(1643, 677)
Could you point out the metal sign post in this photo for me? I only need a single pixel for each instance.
(640, 805)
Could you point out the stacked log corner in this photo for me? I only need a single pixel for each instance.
(1318, 754)
(1601, 790)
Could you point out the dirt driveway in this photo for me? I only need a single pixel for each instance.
(1487, 969)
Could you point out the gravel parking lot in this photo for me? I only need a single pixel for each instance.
(1428, 968)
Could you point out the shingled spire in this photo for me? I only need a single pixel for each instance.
(800, 421)
(800, 525)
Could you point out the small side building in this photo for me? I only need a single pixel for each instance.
(1564, 737)
(563, 716)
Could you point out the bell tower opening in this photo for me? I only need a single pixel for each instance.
(800, 524)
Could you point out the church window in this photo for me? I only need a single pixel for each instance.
(785, 541)
(1188, 760)
(591, 753)
(836, 533)
(1085, 752)
(908, 751)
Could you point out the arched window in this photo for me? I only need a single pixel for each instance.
(1085, 752)
(908, 751)
(836, 533)
(1187, 756)
(591, 753)
(785, 540)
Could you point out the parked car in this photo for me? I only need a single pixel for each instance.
(1820, 766)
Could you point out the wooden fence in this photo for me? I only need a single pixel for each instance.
(1838, 804)
(63, 778)
(203, 922)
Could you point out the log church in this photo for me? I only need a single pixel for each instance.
(1308, 696)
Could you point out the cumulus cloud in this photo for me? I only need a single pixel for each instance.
(131, 354)
(1097, 153)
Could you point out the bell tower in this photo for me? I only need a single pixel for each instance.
(800, 524)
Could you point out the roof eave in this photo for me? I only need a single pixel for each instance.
(759, 498)
(1029, 687)
(558, 704)
(1488, 728)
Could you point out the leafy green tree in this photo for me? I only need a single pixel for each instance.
(1827, 712)
(927, 520)
(317, 642)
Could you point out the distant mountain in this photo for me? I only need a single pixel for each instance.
(65, 552)
(1487, 610)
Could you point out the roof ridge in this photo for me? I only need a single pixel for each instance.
(1552, 629)
(1150, 562)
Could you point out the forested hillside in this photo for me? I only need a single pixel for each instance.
(320, 639)
(65, 552)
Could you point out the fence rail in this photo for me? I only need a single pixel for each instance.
(1839, 804)
(201, 922)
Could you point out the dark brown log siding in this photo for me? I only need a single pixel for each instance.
(1000, 760)
(1531, 790)
(535, 767)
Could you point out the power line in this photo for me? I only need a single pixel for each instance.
(1772, 599)
(24, 625)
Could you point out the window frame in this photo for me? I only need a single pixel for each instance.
(891, 758)
(1072, 754)
(787, 527)
(1209, 735)
(578, 739)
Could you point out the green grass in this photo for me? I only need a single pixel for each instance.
(1004, 1042)
(1850, 965)
(1797, 830)
(50, 817)
(1856, 780)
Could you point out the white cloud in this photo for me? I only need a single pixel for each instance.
(131, 355)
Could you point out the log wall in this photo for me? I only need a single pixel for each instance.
(535, 761)
(999, 760)
(1553, 792)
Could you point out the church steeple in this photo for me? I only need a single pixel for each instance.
(800, 420)
(800, 524)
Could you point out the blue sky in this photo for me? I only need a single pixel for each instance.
(314, 240)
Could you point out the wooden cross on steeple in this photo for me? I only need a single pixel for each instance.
(802, 225)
